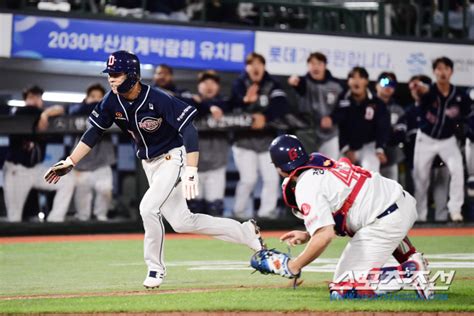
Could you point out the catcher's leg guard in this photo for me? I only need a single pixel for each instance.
(403, 252)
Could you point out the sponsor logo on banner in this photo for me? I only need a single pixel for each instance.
(416, 63)
(286, 54)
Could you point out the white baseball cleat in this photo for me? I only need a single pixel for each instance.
(153, 280)
(456, 217)
(424, 291)
(259, 244)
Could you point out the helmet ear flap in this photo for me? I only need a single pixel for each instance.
(128, 84)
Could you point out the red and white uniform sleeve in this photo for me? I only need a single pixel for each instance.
(313, 204)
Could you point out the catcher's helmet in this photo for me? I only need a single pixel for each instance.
(288, 153)
(124, 62)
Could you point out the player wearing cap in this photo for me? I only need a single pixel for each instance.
(159, 125)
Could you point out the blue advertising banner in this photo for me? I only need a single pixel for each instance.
(90, 40)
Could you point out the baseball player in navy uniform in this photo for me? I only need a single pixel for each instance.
(339, 198)
(442, 108)
(364, 122)
(94, 173)
(163, 79)
(256, 92)
(159, 125)
(214, 144)
(317, 93)
(385, 87)
(470, 146)
(23, 168)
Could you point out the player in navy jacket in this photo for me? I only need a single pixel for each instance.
(442, 108)
(255, 92)
(159, 124)
(364, 122)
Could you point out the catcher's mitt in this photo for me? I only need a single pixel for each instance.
(271, 261)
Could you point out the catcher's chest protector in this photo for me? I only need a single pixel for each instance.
(289, 186)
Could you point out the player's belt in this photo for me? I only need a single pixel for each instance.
(392, 208)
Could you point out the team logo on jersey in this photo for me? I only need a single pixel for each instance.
(305, 209)
(150, 106)
(369, 113)
(119, 116)
(150, 124)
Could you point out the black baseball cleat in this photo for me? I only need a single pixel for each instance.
(257, 232)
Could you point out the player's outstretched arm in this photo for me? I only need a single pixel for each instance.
(63, 167)
(317, 244)
(190, 178)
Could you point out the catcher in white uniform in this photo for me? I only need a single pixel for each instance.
(336, 197)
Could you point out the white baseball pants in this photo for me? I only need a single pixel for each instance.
(212, 184)
(426, 149)
(98, 181)
(368, 158)
(470, 159)
(18, 182)
(249, 163)
(373, 245)
(165, 199)
(330, 148)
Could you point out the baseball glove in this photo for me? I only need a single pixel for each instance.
(271, 261)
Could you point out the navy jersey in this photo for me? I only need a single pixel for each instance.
(29, 149)
(440, 115)
(362, 123)
(154, 119)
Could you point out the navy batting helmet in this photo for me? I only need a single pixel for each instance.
(288, 153)
(124, 62)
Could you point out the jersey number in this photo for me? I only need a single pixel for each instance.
(345, 175)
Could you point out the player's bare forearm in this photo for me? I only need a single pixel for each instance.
(317, 244)
(79, 152)
(55, 110)
(192, 159)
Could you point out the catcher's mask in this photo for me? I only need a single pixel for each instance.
(316, 161)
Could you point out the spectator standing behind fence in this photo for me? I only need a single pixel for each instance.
(386, 85)
(442, 107)
(214, 147)
(256, 92)
(318, 92)
(23, 169)
(163, 79)
(364, 122)
(93, 174)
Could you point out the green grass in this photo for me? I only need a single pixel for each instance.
(117, 266)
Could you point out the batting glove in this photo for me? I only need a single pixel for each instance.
(190, 183)
(60, 169)
(271, 261)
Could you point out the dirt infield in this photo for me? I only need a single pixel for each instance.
(281, 314)
(461, 231)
